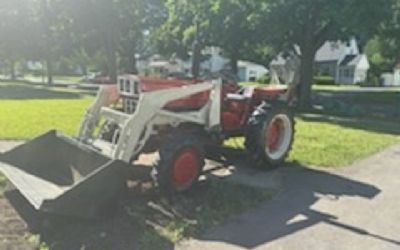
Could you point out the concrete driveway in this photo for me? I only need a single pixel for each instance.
(353, 208)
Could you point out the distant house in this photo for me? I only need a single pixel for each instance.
(156, 65)
(391, 79)
(212, 61)
(340, 60)
(249, 71)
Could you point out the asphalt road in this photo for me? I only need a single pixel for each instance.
(353, 208)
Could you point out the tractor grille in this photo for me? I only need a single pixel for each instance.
(129, 105)
(128, 87)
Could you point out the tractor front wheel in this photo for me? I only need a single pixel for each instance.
(269, 135)
(181, 161)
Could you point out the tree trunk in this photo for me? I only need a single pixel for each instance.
(84, 69)
(306, 76)
(234, 64)
(112, 66)
(49, 66)
(196, 59)
(12, 70)
(132, 65)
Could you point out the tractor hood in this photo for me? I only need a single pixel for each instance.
(130, 86)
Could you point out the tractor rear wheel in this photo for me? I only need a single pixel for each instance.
(181, 161)
(269, 135)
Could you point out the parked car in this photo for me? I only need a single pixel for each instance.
(97, 78)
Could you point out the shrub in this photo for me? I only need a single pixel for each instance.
(266, 79)
(324, 80)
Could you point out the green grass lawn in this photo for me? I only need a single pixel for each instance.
(251, 84)
(328, 144)
(27, 111)
(334, 144)
(69, 79)
(335, 87)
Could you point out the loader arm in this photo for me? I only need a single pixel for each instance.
(150, 111)
(106, 96)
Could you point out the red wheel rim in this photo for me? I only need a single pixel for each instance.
(274, 133)
(186, 168)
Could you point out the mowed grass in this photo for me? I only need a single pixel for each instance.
(328, 144)
(332, 143)
(28, 111)
(68, 79)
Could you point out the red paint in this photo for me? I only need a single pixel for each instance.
(231, 121)
(234, 114)
(112, 93)
(196, 101)
(268, 93)
(274, 134)
(186, 168)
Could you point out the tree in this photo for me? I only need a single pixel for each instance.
(232, 27)
(384, 49)
(14, 27)
(185, 29)
(116, 28)
(228, 24)
(308, 24)
(382, 57)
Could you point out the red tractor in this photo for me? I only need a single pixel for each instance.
(261, 115)
(179, 119)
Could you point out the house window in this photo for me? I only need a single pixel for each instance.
(349, 73)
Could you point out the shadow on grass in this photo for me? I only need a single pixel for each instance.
(147, 220)
(26, 92)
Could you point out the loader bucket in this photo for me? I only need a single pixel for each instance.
(58, 175)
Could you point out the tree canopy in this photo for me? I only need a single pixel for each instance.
(109, 34)
(308, 24)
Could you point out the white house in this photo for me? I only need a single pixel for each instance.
(340, 60)
(391, 79)
(249, 71)
(213, 61)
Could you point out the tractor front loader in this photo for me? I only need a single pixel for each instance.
(79, 176)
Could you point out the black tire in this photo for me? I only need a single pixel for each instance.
(174, 146)
(256, 135)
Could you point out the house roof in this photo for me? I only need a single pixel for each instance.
(248, 64)
(278, 61)
(351, 60)
(329, 52)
